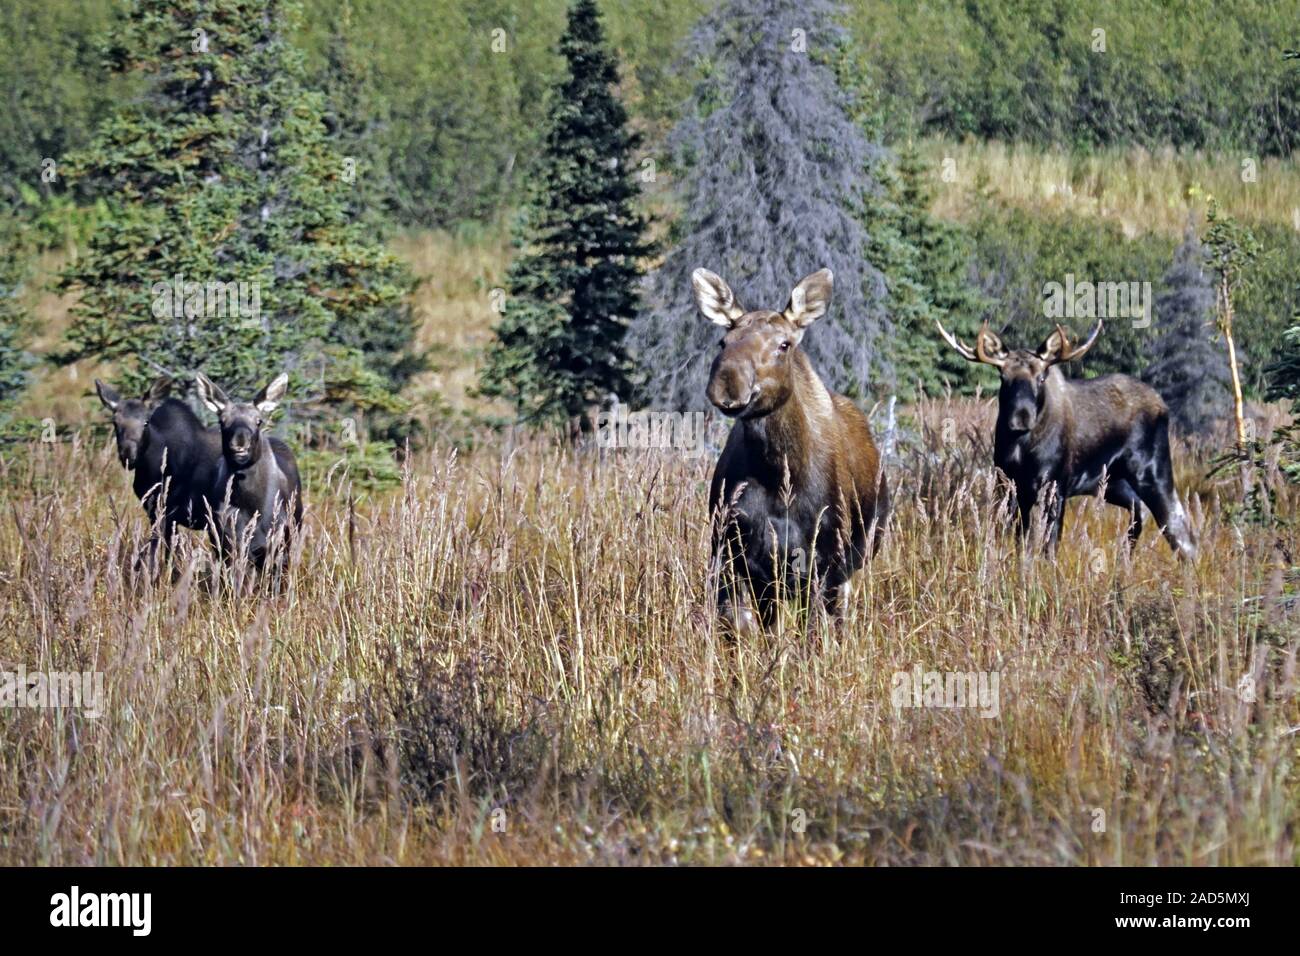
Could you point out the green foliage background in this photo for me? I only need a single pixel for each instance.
(438, 103)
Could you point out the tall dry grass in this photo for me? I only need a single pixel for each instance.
(513, 659)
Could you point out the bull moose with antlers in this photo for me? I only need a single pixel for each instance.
(1058, 438)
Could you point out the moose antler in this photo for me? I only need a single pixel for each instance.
(979, 354)
(961, 348)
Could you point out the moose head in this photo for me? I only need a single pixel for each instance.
(241, 422)
(1023, 394)
(131, 416)
(753, 374)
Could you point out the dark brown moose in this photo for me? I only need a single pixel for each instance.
(170, 452)
(798, 497)
(254, 486)
(1057, 437)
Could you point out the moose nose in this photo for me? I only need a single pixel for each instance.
(730, 405)
(730, 394)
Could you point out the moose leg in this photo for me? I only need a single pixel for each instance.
(834, 599)
(1155, 486)
(1054, 508)
(768, 596)
(1027, 496)
(1119, 492)
(1170, 516)
(160, 530)
(1024, 509)
(734, 611)
(163, 541)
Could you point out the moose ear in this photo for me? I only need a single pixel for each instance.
(159, 390)
(810, 299)
(108, 395)
(714, 297)
(268, 399)
(1054, 346)
(210, 394)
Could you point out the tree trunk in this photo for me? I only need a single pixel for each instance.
(1238, 405)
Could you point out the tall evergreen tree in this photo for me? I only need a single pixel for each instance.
(944, 272)
(770, 163)
(1187, 368)
(889, 250)
(356, 116)
(1284, 373)
(926, 262)
(222, 173)
(573, 287)
(14, 359)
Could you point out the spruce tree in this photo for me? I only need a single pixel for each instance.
(926, 262)
(943, 271)
(912, 348)
(573, 286)
(1187, 368)
(223, 173)
(1284, 373)
(14, 358)
(769, 165)
(356, 116)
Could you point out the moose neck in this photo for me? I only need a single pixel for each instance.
(787, 438)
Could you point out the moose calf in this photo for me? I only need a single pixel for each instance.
(170, 451)
(253, 485)
(1060, 437)
(798, 495)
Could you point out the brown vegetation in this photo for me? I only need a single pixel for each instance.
(513, 659)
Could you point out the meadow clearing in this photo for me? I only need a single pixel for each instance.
(512, 658)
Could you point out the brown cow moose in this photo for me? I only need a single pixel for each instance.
(798, 495)
(1063, 437)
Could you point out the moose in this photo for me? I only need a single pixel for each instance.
(253, 485)
(798, 496)
(1061, 438)
(170, 451)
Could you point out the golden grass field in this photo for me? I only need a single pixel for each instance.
(512, 658)
(1140, 190)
